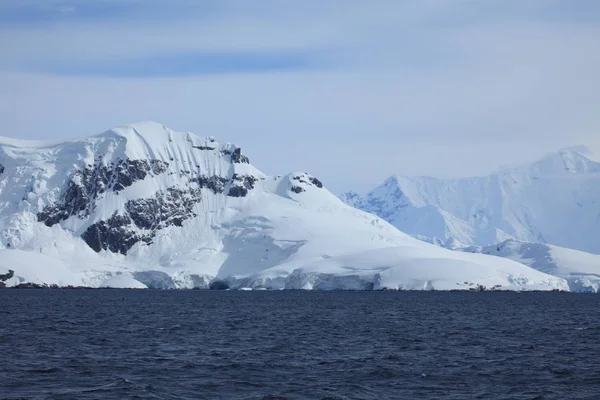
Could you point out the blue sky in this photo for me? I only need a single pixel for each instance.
(349, 90)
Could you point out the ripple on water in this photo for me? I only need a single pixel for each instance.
(298, 345)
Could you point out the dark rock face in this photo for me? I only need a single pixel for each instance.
(236, 156)
(29, 285)
(241, 184)
(113, 235)
(316, 182)
(130, 171)
(218, 285)
(297, 189)
(237, 191)
(170, 207)
(141, 219)
(203, 147)
(306, 178)
(7, 276)
(88, 184)
(247, 180)
(1, 169)
(167, 208)
(215, 183)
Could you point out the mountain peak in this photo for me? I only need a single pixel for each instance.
(574, 159)
(580, 149)
(148, 130)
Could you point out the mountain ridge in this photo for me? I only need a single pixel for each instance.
(179, 210)
(552, 200)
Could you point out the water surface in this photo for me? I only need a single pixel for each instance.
(121, 344)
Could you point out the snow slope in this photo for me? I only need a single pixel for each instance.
(581, 270)
(123, 282)
(554, 200)
(403, 267)
(35, 268)
(176, 210)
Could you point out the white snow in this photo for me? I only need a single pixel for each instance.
(123, 282)
(554, 200)
(580, 269)
(30, 267)
(404, 268)
(286, 233)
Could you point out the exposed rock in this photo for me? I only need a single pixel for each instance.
(247, 183)
(29, 285)
(316, 182)
(306, 177)
(114, 234)
(170, 207)
(297, 189)
(118, 233)
(215, 183)
(88, 184)
(130, 171)
(1, 169)
(7, 276)
(203, 147)
(237, 191)
(299, 179)
(236, 156)
(247, 180)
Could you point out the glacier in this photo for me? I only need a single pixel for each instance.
(142, 205)
(580, 269)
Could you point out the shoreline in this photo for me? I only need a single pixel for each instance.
(33, 286)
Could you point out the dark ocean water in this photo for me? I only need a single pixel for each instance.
(122, 344)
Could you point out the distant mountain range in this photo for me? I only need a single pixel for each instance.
(555, 200)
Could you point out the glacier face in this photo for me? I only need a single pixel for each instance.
(580, 269)
(555, 200)
(142, 205)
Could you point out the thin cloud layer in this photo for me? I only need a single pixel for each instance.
(350, 90)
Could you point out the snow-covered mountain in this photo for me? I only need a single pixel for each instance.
(142, 205)
(581, 270)
(554, 200)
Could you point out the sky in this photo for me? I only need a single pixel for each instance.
(351, 91)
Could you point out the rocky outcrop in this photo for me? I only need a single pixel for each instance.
(144, 217)
(215, 183)
(170, 207)
(308, 179)
(241, 184)
(114, 234)
(203, 147)
(7, 276)
(316, 182)
(236, 156)
(89, 183)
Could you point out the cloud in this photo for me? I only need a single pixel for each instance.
(190, 64)
(351, 90)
